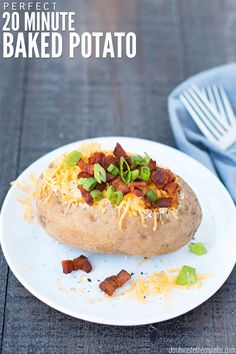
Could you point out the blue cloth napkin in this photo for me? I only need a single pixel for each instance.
(189, 138)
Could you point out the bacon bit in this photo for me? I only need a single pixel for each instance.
(110, 177)
(86, 167)
(86, 195)
(138, 184)
(107, 160)
(80, 263)
(110, 284)
(83, 174)
(171, 188)
(148, 203)
(120, 185)
(152, 165)
(163, 202)
(161, 177)
(67, 266)
(119, 151)
(136, 191)
(100, 186)
(97, 157)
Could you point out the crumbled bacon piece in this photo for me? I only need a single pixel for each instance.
(119, 151)
(110, 284)
(152, 165)
(136, 191)
(67, 266)
(86, 167)
(163, 202)
(100, 186)
(109, 159)
(138, 184)
(161, 177)
(81, 263)
(120, 185)
(171, 188)
(110, 177)
(86, 195)
(97, 157)
(83, 174)
(148, 203)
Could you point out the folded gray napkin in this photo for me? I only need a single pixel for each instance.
(189, 138)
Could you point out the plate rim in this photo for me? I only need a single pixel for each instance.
(89, 317)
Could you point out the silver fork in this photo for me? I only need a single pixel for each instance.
(212, 112)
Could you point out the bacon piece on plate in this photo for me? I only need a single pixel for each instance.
(110, 284)
(80, 263)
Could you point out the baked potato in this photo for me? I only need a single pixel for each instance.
(117, 203)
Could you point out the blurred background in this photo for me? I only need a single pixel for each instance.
(47, 103)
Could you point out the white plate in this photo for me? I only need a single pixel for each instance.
(35, 258)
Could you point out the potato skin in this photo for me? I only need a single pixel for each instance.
(89, 229)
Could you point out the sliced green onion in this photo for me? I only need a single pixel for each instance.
(146, 158)
(187, 276)
(134, 174)
(151, 196)
(96, 195)
(99, 173)
(125, 175)
(89, 184)
(81, 181)
(197, 248)
(137, 160)
(72, 158)
(145, 173)
(116, 198)
(113, 170)
(110, 192)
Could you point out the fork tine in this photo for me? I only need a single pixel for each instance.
(215, 99)
(209, 111)
(227, 106)
(207, 91)
(198, 117)
(218, 102)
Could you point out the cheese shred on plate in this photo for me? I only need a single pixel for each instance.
(161, 283)
(28, 200)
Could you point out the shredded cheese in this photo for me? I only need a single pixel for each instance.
(88, 149)
(161, 283)
(29, 190)
(62, 180)
(126, 209)
(154, 221)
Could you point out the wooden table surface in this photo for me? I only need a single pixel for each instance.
(49, 103)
